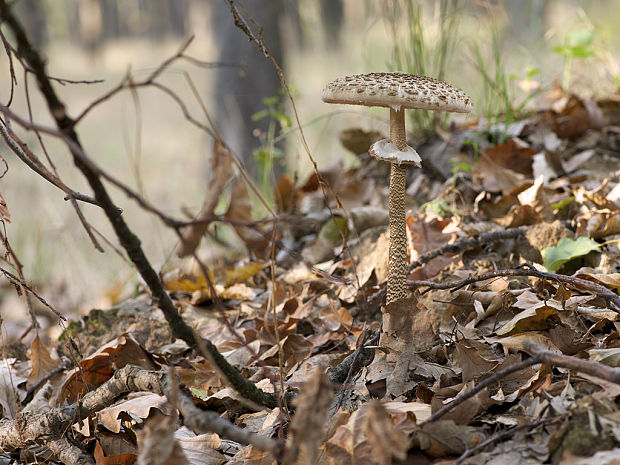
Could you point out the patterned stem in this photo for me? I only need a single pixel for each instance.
(397, 260)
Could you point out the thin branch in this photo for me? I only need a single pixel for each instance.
(467, 244)
(494, 378)
(539, 355)
(15, 280)
(129, 241)
(527, 270)
(504, 434)
(22, 151)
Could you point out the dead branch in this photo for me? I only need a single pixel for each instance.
(22, 284)
(201, 421)
(579, 365)
(459, 246)
(342, 373)
(467, 244)
(526, 270)
(129, 241)
(24, 154)
(48, 428)
(539, 355)
(67, 452)
(500, 436)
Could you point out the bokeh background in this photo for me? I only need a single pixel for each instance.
(143, 139)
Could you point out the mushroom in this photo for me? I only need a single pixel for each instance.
(397, 91)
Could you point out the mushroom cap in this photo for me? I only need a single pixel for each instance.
(397, 90)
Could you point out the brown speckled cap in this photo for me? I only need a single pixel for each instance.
(397, 90)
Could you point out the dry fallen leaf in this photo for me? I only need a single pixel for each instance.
(42, 361)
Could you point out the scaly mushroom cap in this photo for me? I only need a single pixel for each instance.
(397, 90)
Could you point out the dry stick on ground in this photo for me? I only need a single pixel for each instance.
(504, 434)
(458, 246)
(539, 355)
(46, 428)
(467, 244)
(129, 241)
(342, 373)
(526, 270)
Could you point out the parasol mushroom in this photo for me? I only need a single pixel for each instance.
(397, 91)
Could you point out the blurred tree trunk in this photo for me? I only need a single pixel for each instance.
(90, 24)
(33, 17)
(526, 21)
(177, 14)
(239, 94)
(332, 13)
(109, 15)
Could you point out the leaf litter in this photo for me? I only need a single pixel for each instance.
(303, 297)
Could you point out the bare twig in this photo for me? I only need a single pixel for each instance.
(467, 244)
(527, 270)
(494, 378)
(579, 365)
(126, 237)
(498, 437)
(539, 355)
(15, 280)
(30, 159)
(20, 284)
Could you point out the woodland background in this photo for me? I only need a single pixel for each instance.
(149, 144)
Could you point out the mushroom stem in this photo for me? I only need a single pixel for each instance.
(398, 137)
(397, 260)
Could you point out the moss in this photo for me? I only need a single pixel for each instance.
(581, 440)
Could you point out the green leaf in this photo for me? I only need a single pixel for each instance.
(458, 167)
(334, 229)
(271, 101)
(260, 115)
(561, 49)
(582, 38)
(439, 207)
(530, 71)
(566, 250)
(579, 51)
(557, 206)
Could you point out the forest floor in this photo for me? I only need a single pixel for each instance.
(514, 264)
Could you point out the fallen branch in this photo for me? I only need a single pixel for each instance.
(526, 270)
(342, 373)
(499, 436)
(49, 427)
(467, 244)
(539, 355)
(459, 246)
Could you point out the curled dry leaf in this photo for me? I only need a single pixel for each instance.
(221, 173)
(42, 361)
(444, 437)
(386, 440)
(309, 422)
(157, 444)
